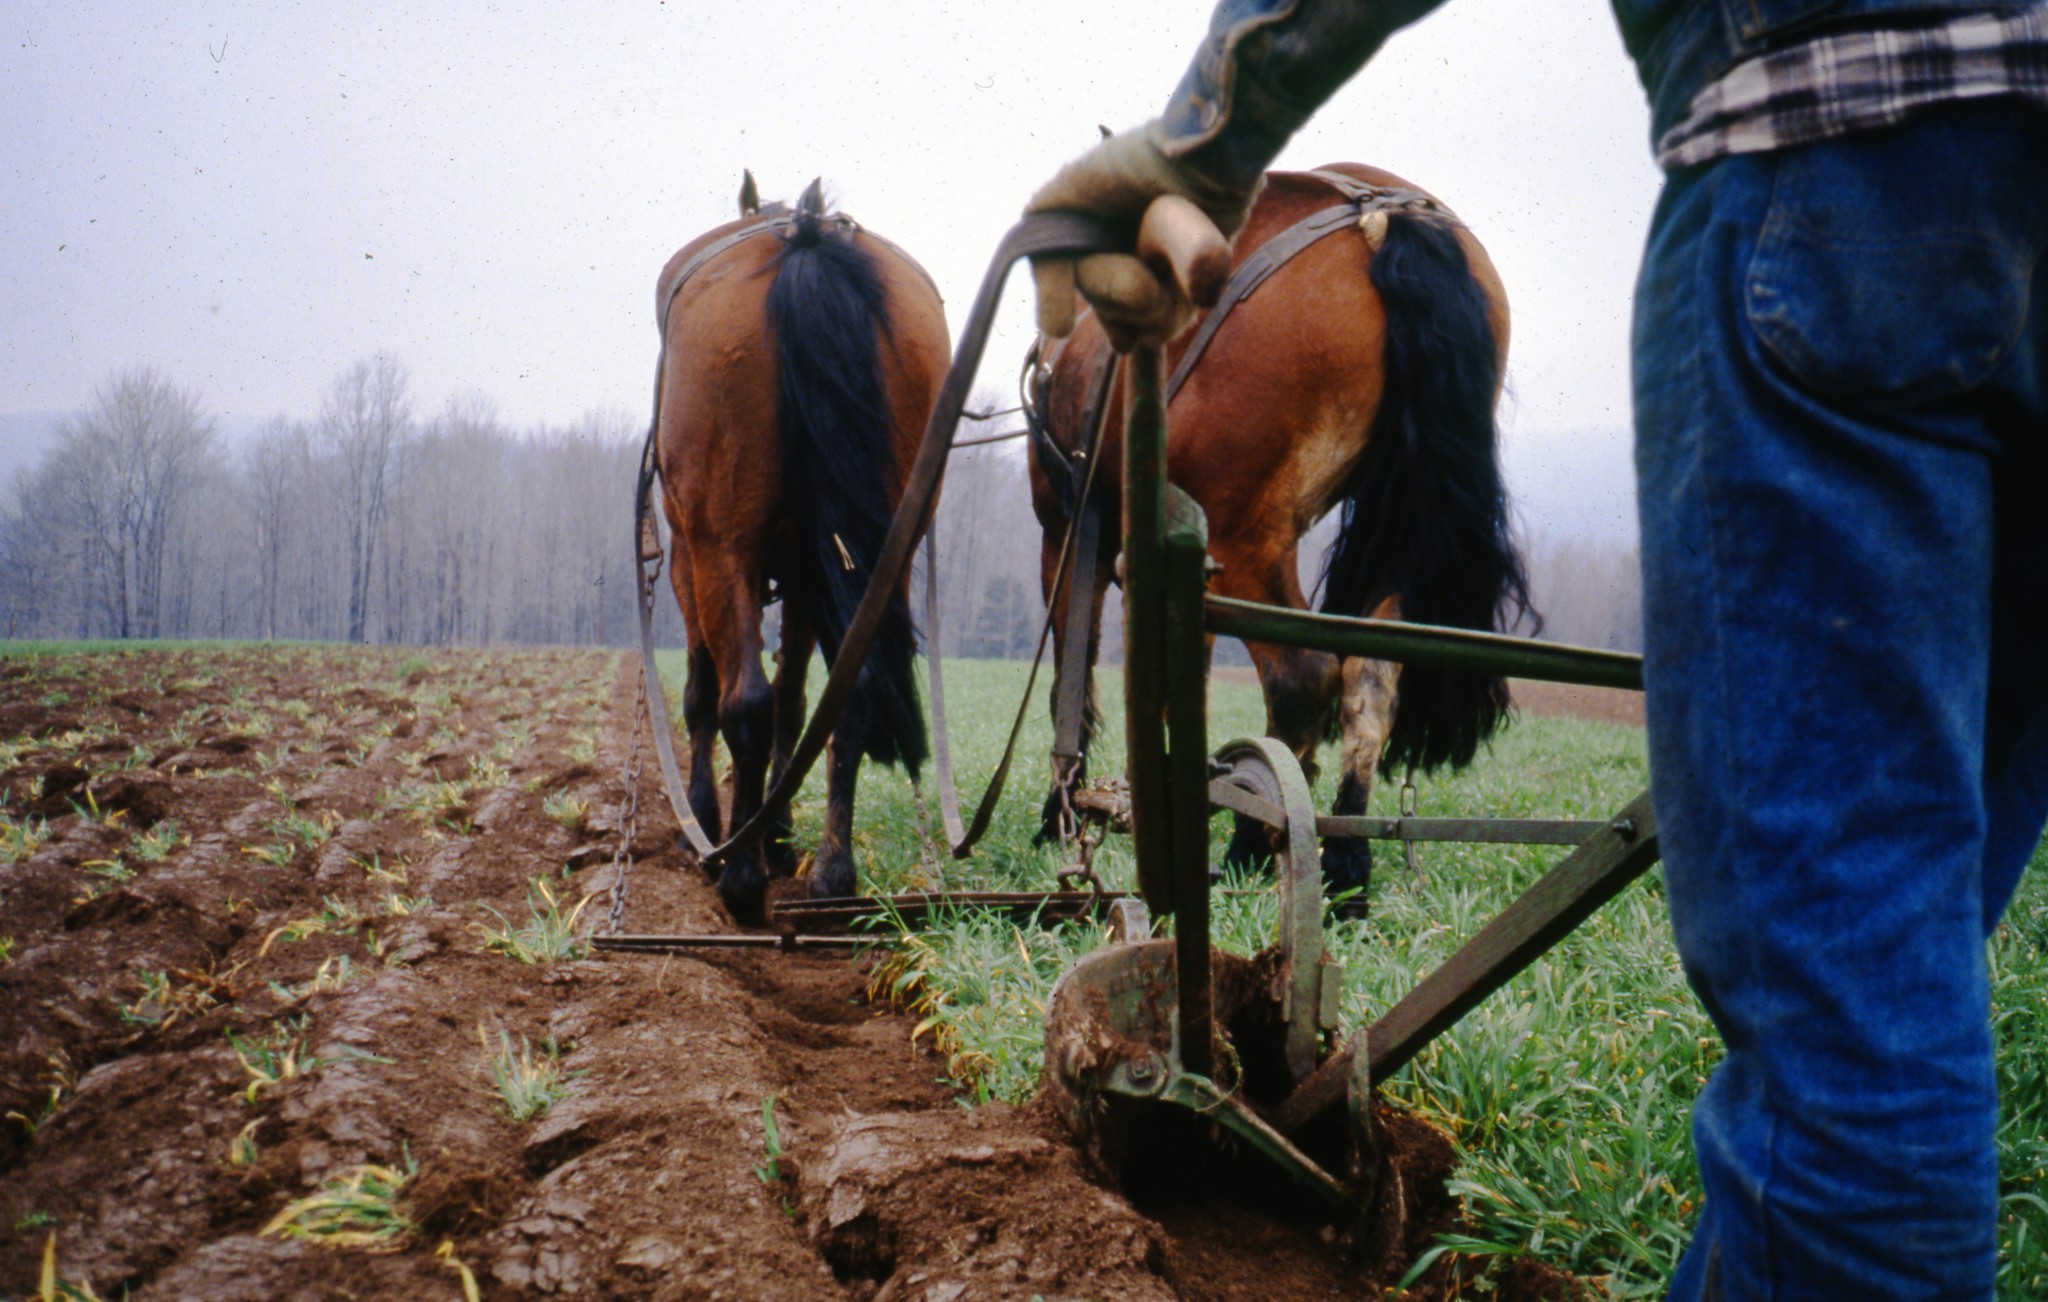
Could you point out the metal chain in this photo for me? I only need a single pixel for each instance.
(629, 805)
(1083, 872)
(1408, 807)
(629, 819)
(1066, 774)
(1073, 828)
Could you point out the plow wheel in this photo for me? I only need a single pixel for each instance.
(1115, 1071)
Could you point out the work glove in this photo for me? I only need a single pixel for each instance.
(1118, 179)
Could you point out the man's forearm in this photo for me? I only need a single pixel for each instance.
(1265, 66)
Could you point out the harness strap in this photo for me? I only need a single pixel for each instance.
(1363, 201)
(782, 224)
(647, 569)
(1085, 526)
(1076, 558)
(942, 737)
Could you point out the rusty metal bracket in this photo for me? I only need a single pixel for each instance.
(1523, 932)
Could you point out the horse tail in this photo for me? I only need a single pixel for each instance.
(828, 312)
(1425, 511)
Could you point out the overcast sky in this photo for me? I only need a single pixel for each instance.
(250, 196)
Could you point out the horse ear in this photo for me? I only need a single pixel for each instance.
(812, 200)
(750, 198)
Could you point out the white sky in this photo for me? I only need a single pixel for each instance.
(251, 196)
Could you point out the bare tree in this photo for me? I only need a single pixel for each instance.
(272, 466)
(123, 473)
(38, 563)
(367, 413)
(1590, 590)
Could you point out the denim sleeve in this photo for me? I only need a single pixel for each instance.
(1265, 66)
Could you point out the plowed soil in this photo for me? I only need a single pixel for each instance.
(248, 957)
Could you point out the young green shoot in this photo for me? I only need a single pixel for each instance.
(547, 936)
(528, 1084)
(20, 838)
(769, 1171)
(158, 841)
(359, 1208)
(566, 809)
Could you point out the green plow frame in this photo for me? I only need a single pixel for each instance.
(1141, 1021)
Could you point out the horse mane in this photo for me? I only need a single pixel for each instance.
(1425, 511)
(828, 312)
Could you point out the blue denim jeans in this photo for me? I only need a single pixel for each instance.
(1841, 389)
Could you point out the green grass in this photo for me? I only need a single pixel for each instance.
(1569, 1092)
(158, 841)
(360, 1208)
(21, 837)
(527, 1084)
(548, 934)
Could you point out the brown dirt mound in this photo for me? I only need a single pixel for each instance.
(247, 959)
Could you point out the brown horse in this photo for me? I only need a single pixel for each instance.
(1361, 376)
(800, 359)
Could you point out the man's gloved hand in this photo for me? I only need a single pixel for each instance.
(1119, 179)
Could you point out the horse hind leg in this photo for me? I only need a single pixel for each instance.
(832, 869)
(792, 664)
(746, 717)
(1371, 693)
(700, 720)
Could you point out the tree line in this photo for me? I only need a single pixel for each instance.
(364, 523)
(371, 522)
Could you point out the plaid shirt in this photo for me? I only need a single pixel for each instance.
(1853, 81)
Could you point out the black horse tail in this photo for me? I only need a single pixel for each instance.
(829, 315)
(1425, 512)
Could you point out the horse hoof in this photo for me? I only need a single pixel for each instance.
(745, 893)
(1250, 849)
(1347, 864)
(1048, 823)
(833, 880)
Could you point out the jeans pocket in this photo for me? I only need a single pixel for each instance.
(1876, 296)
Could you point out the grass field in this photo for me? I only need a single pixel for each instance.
(1569, 1091)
